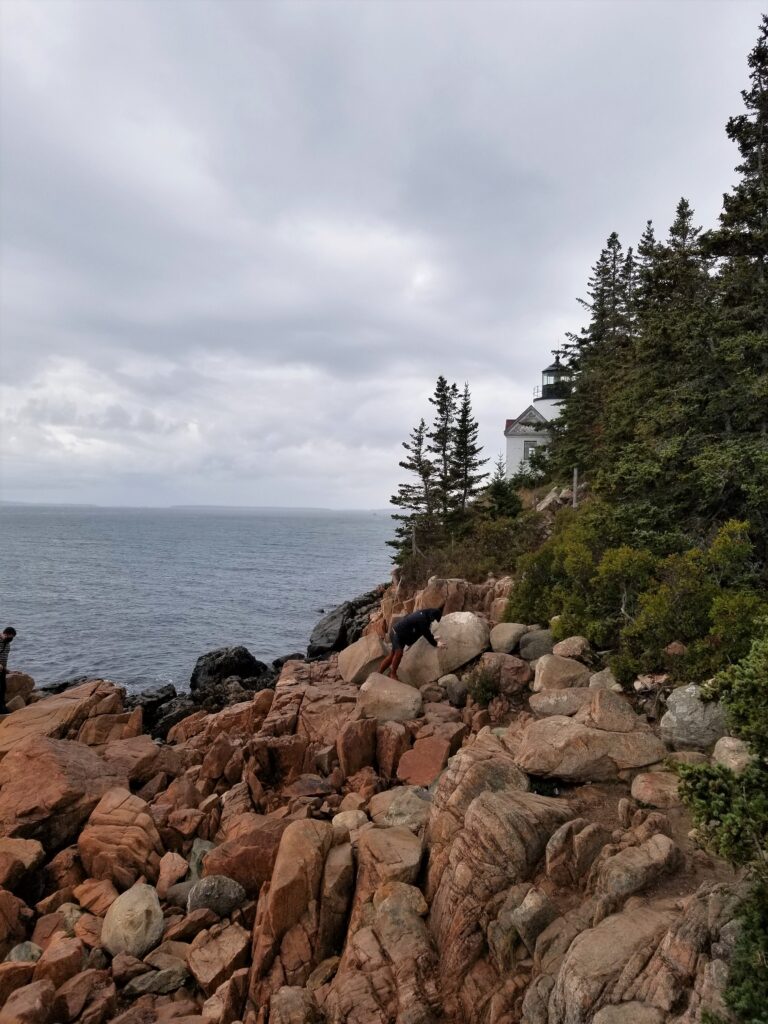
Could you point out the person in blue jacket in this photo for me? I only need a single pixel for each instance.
(406, 632)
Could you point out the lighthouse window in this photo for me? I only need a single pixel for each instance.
(528, 447)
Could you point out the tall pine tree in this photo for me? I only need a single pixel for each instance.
(416, 497)
(441, 443)
(466, 464)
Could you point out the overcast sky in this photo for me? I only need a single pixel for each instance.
(240, 240)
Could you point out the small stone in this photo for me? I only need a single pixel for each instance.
(656, 789)
(134, 923)
(732, 753)
(24, 952)
(605, 680)
(217, 893)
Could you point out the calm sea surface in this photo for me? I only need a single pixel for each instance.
(136, 595)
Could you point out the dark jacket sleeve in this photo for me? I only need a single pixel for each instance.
(425, 629)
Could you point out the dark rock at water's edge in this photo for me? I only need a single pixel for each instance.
(278, 663)
(218, 665)
(343, 624)
(227, 676)
(66, 684)
(168, 714)
(161, 708)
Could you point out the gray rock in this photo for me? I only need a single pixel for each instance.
(70, 913)
(218, 893)
(25, 952)
(506, 636)
(456, 690)
(605, 680)
(532, 916)
(200, 848)
(134, 923)
(169, 714)
(560, 702)
(156, 982)
(178, 894)
(330, 633)
(388, 700)
(536, 643)
(691, 723)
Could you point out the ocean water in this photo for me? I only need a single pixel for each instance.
(136, 595)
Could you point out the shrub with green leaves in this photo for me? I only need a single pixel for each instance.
(731, 815)
(483, 686)
(635, 601)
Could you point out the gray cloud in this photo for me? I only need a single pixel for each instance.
(240, 241)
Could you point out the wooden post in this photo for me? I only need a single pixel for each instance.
(575, 485)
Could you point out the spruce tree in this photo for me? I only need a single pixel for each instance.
(741, 243)
(441, 444)
(503, 501)
(416, 497)
(466, 464)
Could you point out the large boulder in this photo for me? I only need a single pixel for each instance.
(249, 856)
(510, 674)
(506, 636)
(217, 954)
(134, 923)
(388, 700)
(595, 960)
(212, 669)
(559, 747)
(59, 716)
(330, 633)
(18, 684)
(465, 636)
(421, 765)
(690, 723)
(406, 807)
(121, 843)
(17, 858)
(361, 658)
(560, 702)
(498, 843)
(68, 781)
(536, 643)
(554, 672)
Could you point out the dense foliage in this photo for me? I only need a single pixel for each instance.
(667, 417)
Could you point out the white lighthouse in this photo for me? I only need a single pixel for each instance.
(529, 430)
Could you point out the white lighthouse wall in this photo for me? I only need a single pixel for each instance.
(516, 447)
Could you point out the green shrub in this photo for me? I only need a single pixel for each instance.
(731, 814)
(483, 686)
(634, 601)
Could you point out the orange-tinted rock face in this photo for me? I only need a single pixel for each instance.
(69, 779)
(394, 870)
(120, 841)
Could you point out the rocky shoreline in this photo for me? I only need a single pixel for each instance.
(310, 842)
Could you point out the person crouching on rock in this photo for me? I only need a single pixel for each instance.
(6, 639)
(406, 632)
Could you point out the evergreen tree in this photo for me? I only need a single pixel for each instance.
(441, 440)
(741, 243)
(466, 463)
(503, 500)
(416, 497)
